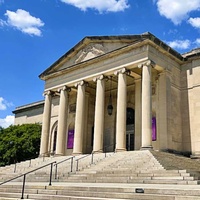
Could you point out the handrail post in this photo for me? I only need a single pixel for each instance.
(56, 170)
(72, 164)
(15, 167)
(51, 174)
(76, 165)
(92, 157)
(23, 187)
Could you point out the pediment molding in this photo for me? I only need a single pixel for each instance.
(90, 51)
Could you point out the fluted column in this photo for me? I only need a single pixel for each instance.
(99, 114)
(137, 114)
(79, 120)
(121, 110)
(62, 122)
(46, 125)
(146, 105)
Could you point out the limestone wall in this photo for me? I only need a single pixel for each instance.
(191, 93)
(30, 115)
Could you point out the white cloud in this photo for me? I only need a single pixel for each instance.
(177, 10)
(7, 121)
(100, 5)
(197, 41)
(23, 21)
(180, 44)
(4, 104)
(2, 23)
(195, 22)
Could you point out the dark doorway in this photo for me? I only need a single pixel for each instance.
(130, 126)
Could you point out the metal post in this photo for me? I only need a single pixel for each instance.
(92, 158)
(72, 164)
(23, 186)
(56, 170)
(51, 173)
(15, 167)
(76, 165)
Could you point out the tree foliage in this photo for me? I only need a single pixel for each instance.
(19, 143)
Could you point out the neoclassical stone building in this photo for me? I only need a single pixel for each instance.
(120, 93)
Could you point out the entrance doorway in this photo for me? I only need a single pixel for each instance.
(130, 126)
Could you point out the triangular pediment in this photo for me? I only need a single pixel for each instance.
(95, 46)
(90, 48)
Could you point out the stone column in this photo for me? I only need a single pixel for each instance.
(62, 122)
(79, 120)
(121, 110)
(99, 114)
(146, 106)
(137, 114)
(46, 125)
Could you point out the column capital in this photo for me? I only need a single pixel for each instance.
(49, 92)
(148, 63)
(122, 71)
(101, 77)
(64, 88)
(81, 83)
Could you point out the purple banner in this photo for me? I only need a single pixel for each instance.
(70, 141)
(153, 129)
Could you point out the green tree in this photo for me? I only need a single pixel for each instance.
(19, 143)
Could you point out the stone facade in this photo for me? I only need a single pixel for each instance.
(153, 92)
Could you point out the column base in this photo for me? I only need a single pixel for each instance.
(195, 156)
(77, 153)
(146, 148)
(120, 150)
(44, 155)
(58, 154)
(99, 151)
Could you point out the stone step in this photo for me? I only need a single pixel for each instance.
(113, 178)
(103, 193)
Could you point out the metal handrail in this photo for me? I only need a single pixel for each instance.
(43, 158)
(77, 160)
(92, 155)
(24, 176)
(56, 164)
(104, 150)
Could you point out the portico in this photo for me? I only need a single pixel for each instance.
(100, 84)
(150, 91)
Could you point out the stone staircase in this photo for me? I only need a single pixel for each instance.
(124, 175)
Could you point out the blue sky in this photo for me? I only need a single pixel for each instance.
(35, 33)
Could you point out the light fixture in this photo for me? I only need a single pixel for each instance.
(110, 107)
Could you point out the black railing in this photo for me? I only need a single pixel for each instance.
(103, 150)
(71, 165)
(77, 160)
(24, 176)
(41, 156)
